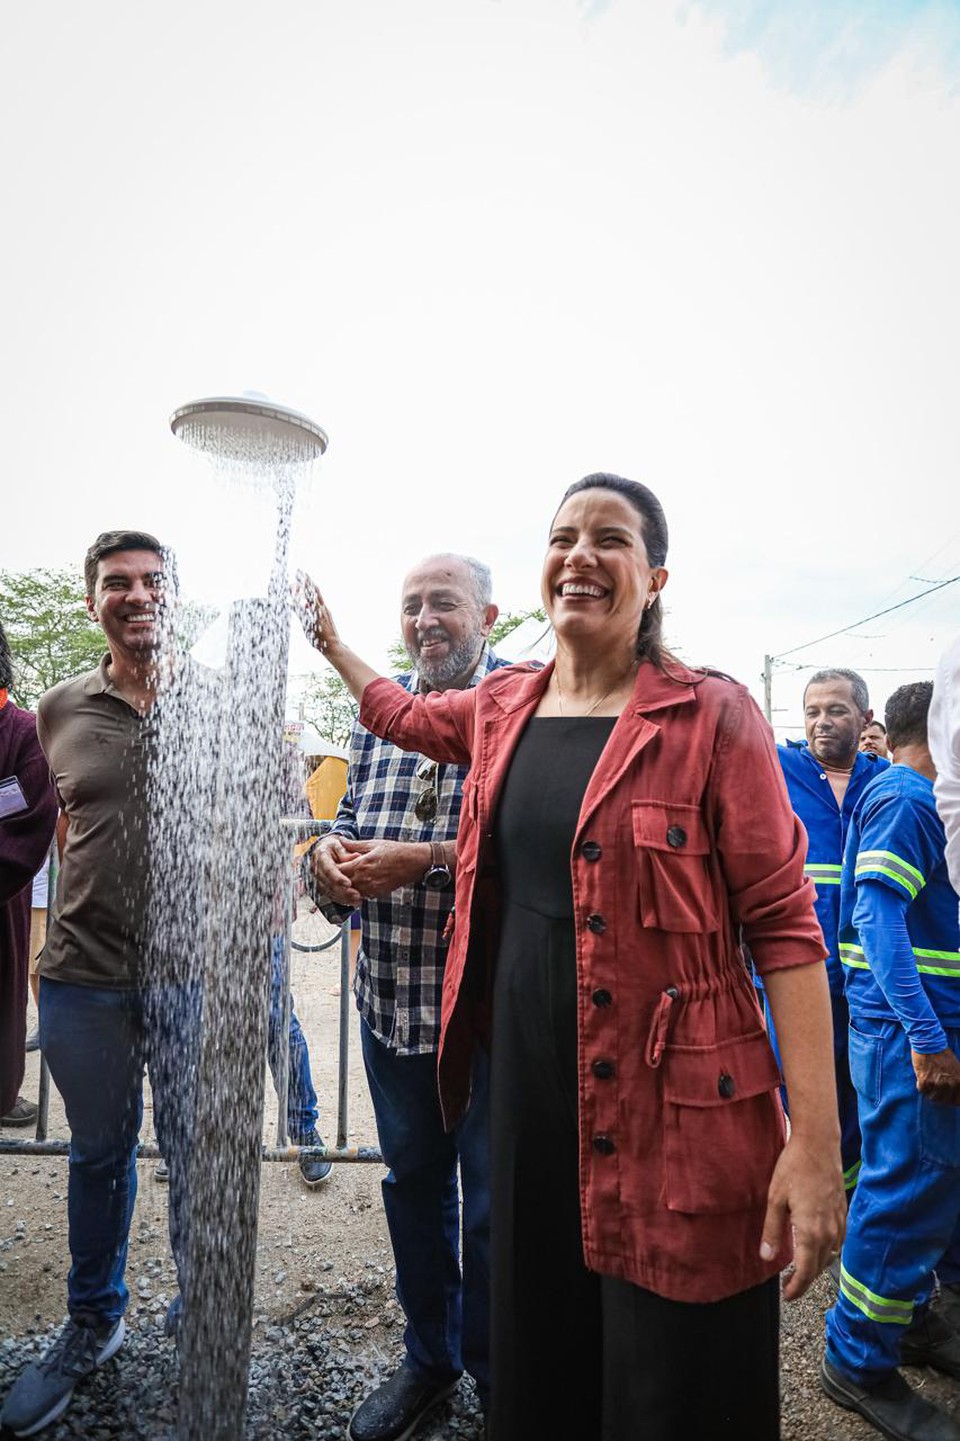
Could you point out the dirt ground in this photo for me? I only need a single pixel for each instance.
(304, 1235)
(312, 1244)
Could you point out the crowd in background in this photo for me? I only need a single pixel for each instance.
(610, 934)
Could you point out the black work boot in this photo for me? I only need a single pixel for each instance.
(931, 1341)
(891, 1405)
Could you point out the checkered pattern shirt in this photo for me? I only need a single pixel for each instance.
(402, 951)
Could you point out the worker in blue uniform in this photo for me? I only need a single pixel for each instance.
(900, 949)
(825, 779)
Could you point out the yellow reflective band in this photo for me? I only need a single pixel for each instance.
(897, 861)
(851, 1175)
(855, 957)
(877, 1308)
(938, 970)
(824, 875)
(872, 868)
(885, 863)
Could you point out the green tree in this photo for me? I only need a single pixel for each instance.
(328, 706)
(504, 624)
(51, 636)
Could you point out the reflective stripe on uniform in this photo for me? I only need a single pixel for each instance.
(876, 1308)
(885, 863)
(822, 874)
(854, 957)
(952, 959)
(851, 1175)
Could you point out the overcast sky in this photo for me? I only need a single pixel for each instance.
(491, 245)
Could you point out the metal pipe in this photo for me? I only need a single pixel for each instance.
(43, 1094)
(150, 1151)
(344, 1042)
(43, 1099)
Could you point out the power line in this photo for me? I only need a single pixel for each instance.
(878, 669)
(876, 614)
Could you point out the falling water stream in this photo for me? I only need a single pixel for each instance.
(217, 859)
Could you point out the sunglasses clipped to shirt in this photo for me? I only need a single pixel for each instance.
(425, 801)
(438, 876)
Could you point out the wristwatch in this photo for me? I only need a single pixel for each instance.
(437, 875)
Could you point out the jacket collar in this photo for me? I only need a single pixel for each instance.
(523, 685)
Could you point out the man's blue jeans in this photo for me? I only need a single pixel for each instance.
(448, 1318)
(302, 1110)
(97, 1043)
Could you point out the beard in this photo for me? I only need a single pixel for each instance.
(458, 660)
(837, 750)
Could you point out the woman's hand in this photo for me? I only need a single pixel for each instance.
(323, 635)
(806, 1189)
(315, 618)
(806, 1193)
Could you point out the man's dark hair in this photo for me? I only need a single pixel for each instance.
(906, 714)
(876, 722)
(653, 527)
(6, 661)
(858, 686)
(108, 542)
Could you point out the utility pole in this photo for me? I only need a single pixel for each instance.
(768, 687)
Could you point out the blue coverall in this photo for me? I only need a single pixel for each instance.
(900, 949)
(826, 824)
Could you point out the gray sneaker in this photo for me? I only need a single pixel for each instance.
(42, 1392)
(21, 1113)
(314, 1169)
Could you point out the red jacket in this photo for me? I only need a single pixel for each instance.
(686, 835)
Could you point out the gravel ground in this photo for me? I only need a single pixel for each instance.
(326, 1324)
(310, 1369)
(307, 1374)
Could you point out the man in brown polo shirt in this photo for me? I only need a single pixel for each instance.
(98, 1028)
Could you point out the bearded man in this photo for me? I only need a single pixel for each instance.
(392, 852)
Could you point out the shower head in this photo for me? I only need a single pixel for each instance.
(249, 431)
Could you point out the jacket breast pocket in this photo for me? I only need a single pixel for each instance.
(676, 887)
(722, 1125)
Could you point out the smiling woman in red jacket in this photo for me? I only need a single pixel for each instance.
(624, 825)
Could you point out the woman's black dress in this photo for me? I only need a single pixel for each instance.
(575, 1354)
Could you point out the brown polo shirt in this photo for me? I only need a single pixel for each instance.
(96, 746)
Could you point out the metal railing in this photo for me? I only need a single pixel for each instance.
(283, 1150)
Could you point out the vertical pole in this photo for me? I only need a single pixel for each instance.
(768, 687)
(344, 1047)
(43, 1096)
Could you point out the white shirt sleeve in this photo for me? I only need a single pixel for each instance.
(943, 730)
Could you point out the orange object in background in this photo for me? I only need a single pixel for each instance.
(325, 787)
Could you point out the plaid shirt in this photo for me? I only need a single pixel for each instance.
(402, 951)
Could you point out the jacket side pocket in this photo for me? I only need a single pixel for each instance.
(722, 1125)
